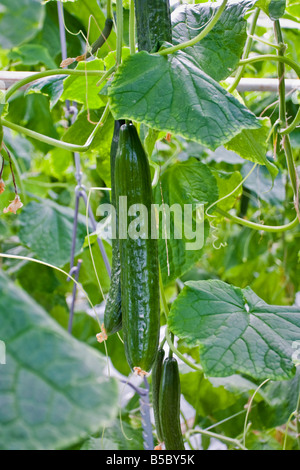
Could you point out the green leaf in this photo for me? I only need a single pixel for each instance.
(117, 438)
(274, 8)
(261, 184)
(46, 228)
(53, 391)
(218, 54)
(84, 89)
(187, 183)
(227, 183)
(252, 145)
(172, 94)
(32, 111)
(32, 54)
(52, 87)
(236, 330)
(19, 21)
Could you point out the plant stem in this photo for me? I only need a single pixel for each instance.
(220, 437)
(50, 73)
(199, 37)
(262, 58)
(255, 226)
(109, 12)
(285, 140)
(167, 333)
(292, 126)
(55, 142)
(247, 49)
(132, 27)
(119, 31)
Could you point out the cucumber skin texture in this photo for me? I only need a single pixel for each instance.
(153, 19)
(139, 257)
(156, 379)
(113, 308)
(159, 22)
(169, 405)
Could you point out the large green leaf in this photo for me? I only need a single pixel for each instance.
(32, 54)
(187, 183)
(46, 228)
(172, 94)
(53, 390)
(252, 145)
(236, 330)
(19, 21)
(218, 54)
(84, 89)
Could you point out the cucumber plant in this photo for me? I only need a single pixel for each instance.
(160, 119)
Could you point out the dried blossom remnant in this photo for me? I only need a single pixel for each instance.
(102, 336)
(67, 62)
(13, 206)
(140, 372)
(2, 186)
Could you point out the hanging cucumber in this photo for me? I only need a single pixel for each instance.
(138, 252)
(159, 22)
(169, 405)
(113, 308)
(156, 379)
(153, 19)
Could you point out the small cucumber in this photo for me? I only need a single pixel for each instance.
(113, 308)
(169, 405)
(138, 253)
(156, 379)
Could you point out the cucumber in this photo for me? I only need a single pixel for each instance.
(138, 255)
(169, 405)
(160, 25)
(156, 379)
(103, 36)
(142, 25)
(113, 308)
(153, 20)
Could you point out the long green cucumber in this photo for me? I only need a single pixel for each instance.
(138, 252)
(153, 20)
(156, 379)
(113, 308)
(160, 25)
(169, 405)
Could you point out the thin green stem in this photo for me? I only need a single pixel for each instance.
(249, 409)
(220, 437)
(260, 227)
(50, 73)
(247, 49)
(178, 353)
(285, 140)
(292, 126)
(55, 142)
(132, 27)
(167, 333)
(199, 37)
(119, 6)
(262, 58)
(109, 11)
